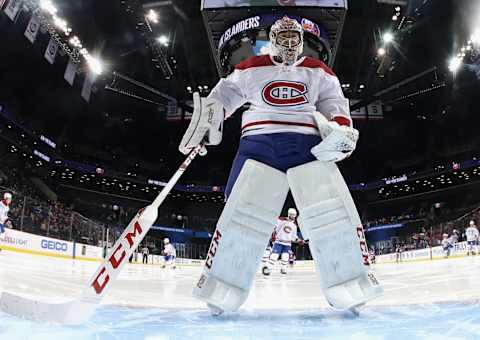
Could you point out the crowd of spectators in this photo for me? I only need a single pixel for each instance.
(30, 211)
(427, 237)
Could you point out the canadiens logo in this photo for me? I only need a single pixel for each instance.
(285, 93)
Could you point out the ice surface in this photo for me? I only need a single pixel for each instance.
(425, 300)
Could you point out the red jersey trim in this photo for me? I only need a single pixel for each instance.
(257, 61)
(341, 120)
(276, 122)
(315, 63)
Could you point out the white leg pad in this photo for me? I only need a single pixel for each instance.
(328, 217)
(242, 233)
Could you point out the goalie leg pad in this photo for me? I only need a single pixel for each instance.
(243, 230)
(330, 220)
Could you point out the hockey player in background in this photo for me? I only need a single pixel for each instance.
(285, 234)
(372, 255)
(398, 253)
(471, 234)
(169, 253)
(4, 209)
(292, 258)
(447, 245)
(297, 126)
(268, 252)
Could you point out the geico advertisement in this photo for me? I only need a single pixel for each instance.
(19, 239)
(55, 245)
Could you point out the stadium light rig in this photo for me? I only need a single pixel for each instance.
(152, 16)
(381, 51)
(470, 48)
(163, 40)
(387, 37)
(454, 64)
(93, 63)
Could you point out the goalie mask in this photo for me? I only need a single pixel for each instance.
(286, 40)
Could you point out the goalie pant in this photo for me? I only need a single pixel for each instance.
(281, 151)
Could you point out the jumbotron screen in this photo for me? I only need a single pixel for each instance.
(250, 37)
(268, 3)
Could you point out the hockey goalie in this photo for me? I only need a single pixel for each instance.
(297, 127)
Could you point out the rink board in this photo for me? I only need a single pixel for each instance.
(23, 242)
(434, 253)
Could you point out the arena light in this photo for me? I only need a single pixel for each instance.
(387, 37)
(48, 7)
(62, 24)
(454, 64)
(381, 51)
(75, 42)
(475, 38)
(163, 40)
(94, 64)
(152, 16)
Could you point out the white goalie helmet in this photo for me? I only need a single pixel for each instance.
(166, 240)
(472, 222)
(292, 213)
(286, 40)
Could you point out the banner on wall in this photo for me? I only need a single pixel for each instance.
(70, 71)
(87, 86)
(32, 29)
(12, 9)
(51, 51)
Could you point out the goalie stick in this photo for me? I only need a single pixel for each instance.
(80, 310)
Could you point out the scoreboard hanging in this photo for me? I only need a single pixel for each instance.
(239, 29)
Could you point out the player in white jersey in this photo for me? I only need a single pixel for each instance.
(4, 209)
(446, 245)
(472, 238)
(297, 126)
(169, 253)
(285, 234)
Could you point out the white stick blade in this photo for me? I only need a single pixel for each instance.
(70, 313)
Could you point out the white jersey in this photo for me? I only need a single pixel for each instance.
(3, 212)
(472, 233)
(169, 250)
(282, 98)
(285, 231)
(446, 243)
